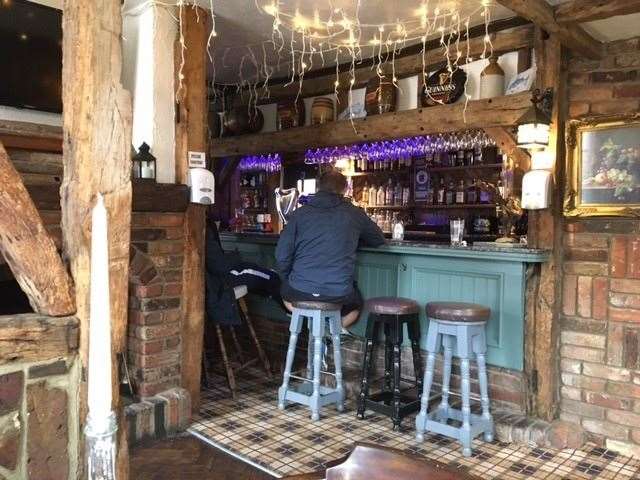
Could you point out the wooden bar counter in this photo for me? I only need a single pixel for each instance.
(492, 276)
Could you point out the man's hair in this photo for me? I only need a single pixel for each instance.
(332, 181)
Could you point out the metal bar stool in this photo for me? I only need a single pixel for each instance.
(392, 313)
(239, 292)
(460, 327)
(310, 392)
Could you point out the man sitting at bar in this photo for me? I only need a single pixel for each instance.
(316, 253)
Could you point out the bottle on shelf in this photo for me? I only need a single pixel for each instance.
(386, 164)
(500, 188)
(380, 196)
(388, 194)
(429, 159)
(397, 228)
(460, 156)
(406, 195)
(386, 224)
(451, 193)
(460, 193)
(430, 196)
(437, 159)
(364, 197)
(477, 154)
(442, 192)
(373, 195)
(397, 195)
(485, 196)
(472, 192)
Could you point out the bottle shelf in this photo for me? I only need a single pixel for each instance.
(389, 207)
(488, 166)
(456, 206)
(380, 173)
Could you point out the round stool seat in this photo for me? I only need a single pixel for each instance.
(324, 306)
(392, 306)
(458, 312)
(240, 291)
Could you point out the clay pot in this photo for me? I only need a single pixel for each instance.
(290, 114)
(492, 80)
(322, 110)
(381, 95)
(241, 120)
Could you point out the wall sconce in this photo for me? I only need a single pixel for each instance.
(542, 160)
(533, 126)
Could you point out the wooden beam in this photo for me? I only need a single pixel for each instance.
(579, 11)
(503, 41)
(191, 134)
(33, 338)
(496, 112)
(506, 141)
(542, 14)
(41, 144)
(97, 158)
(545, 232)
(29, 250)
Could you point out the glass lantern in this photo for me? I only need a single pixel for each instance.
(144, 164)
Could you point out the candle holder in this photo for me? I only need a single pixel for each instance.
(100, 438)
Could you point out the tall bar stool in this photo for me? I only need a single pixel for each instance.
(310, 392)
(459, 326)
(392, 313)
(240, 292)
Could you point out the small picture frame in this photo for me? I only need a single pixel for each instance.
(603, 167)
(522, 82)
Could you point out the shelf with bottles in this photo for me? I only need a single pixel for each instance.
(465, 206)
(464, 168)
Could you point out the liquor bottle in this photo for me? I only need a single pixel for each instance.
(468, 157)
(472, 192)
(397, 228)
(500, 188)
(437, 159)
(460, 156)
(485, 196)
(386, 223)
(386, 164)
(365, 194)
(477, 154)
(380, 196)
(442, 192)
(460, 193)
(388, 194)
(430, 197)
(406, 194)
(397, 195)
(428, 160)
(451, 193)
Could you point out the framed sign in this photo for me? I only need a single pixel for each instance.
(603, 167)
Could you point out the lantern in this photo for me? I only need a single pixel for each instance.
(533, 126)
(144, 164)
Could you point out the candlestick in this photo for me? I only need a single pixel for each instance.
(99, 316)
(101, 422)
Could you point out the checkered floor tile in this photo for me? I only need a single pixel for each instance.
(288, 442)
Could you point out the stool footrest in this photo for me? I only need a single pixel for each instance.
(479, 424)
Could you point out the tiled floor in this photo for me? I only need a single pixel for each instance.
(288, 442)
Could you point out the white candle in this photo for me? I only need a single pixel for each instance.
(100, 317)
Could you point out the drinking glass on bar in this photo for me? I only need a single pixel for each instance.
(457, 232)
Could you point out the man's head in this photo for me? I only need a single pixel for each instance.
(332, 181)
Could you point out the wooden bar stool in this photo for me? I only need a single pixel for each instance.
(392, 313)
(240, 292)
(459, 326)
(310, 392)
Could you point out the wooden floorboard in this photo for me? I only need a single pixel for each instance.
(187, 458)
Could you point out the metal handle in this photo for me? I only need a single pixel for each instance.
(403, 266)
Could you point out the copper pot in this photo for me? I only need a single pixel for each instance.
(381, 95)
(241, 120)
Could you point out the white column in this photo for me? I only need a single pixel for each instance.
(149, 33)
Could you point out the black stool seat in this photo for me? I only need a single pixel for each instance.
(392, 314)
(325, 306)
(392, 306)
(458, 312)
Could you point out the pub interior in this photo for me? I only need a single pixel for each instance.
(312, 239)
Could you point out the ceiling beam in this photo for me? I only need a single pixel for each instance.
(578, 11)
(571, 36)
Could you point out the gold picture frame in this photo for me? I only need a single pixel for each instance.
(603, 167)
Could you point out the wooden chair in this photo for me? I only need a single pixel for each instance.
(370, 462)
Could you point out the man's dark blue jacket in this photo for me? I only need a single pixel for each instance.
(316, 252)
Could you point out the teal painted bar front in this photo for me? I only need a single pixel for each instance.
(491, 276)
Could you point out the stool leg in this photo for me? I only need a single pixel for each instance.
(252, 332)
(227, 366)
(447, 342)
(397, 345)
(236, 345)
(318, 335)
(413, 327)
(294, 328)
(367, 360)
(310, 349)
(484, 389)
(464, 349)
(335, 327)
(388, 359)
(432, 347)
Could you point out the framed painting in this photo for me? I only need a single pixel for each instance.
(603, 167)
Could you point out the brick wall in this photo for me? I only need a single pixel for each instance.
(155, 304)
(600, 313)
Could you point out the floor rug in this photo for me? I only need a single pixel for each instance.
(288, 442)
